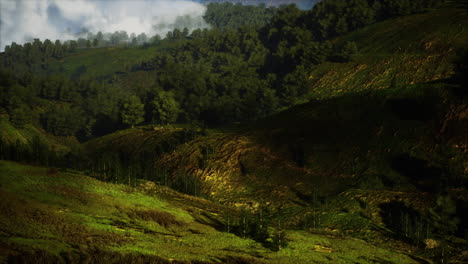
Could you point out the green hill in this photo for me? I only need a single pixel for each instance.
(398, 52)
(378, 132)
(344, 139)
(372, 168)
(51, 216)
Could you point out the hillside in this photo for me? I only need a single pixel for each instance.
(205, 148)
(392, 138)
(398, 52)
(362, 128)
(51, 216)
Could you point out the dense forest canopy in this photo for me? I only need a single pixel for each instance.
(253, 62)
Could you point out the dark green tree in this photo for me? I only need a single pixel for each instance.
(58, 50)
(132, 112)
(164, 108)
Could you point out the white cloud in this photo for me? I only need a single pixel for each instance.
(22, 20)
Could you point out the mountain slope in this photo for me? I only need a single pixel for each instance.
(355, 134)
(406, 50)
(382, 137)
(378, 154)
(53, 216)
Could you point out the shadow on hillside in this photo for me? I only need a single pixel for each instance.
(381, 132)
(406, 223)
(420, 173)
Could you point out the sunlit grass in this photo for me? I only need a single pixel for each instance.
(64, 211)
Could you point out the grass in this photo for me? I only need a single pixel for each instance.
(65, 214)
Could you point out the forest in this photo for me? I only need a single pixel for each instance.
(270, 121)
(231, 73)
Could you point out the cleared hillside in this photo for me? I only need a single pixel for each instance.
(51, 216)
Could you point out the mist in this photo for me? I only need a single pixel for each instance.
(23, 20)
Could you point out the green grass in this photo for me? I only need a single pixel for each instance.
(44, 210)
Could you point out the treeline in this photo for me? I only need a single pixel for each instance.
(261, 224)
(62, 107)
(35, 56)
(38, 151)
(114, 166)
(232, 16)
(123, 166)
(332, 18)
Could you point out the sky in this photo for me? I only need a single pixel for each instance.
(24, 20)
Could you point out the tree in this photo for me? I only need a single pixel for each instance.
(185, 32)
(73, 45)
(20, 116)
(164, 108)
(48, 48)
(155, 39)
(196, 33)
(99, 37)
(132, 111)
(142, 38)
(58, 50)
(176, 34)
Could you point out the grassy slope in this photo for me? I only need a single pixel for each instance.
(11, 134)
(406, 50)
(71, 216)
